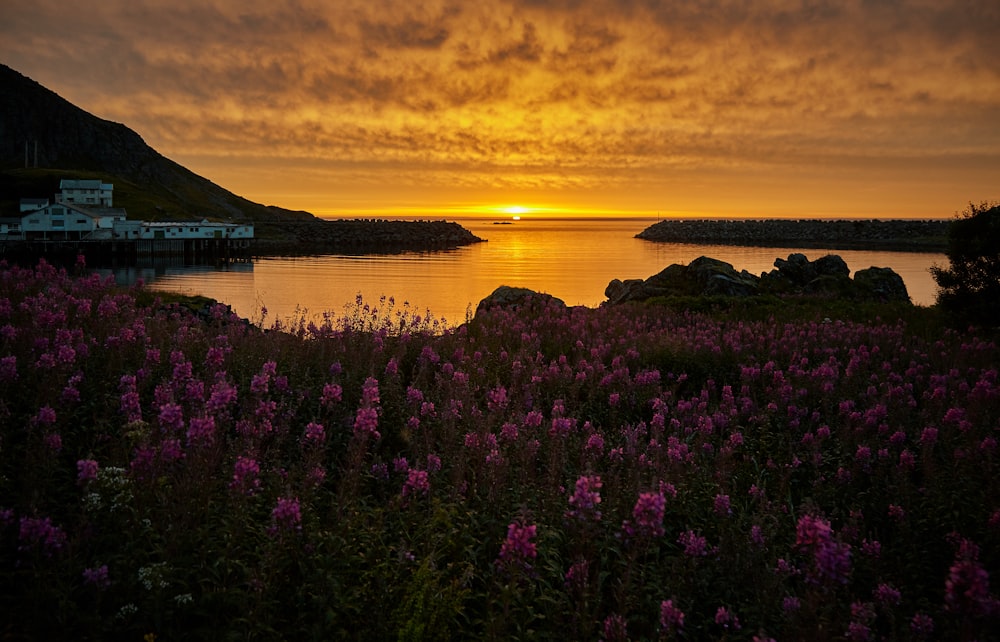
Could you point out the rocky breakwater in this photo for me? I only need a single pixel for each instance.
(359, 236)
(797, 275)
(901, 235)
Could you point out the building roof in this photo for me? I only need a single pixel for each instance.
(190, 224)
(69, 206)
(84, 183)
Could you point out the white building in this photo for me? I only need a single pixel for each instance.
(83, 211)
(175, 230)
(64, 221)
(85, 192)
(10, 226)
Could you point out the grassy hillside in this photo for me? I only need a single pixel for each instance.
(72, 143)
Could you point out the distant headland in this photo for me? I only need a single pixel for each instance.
(359, 236)
(870, 234)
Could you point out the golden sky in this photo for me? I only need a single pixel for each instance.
(874, 108)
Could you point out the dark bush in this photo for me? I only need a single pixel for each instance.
(969, 288)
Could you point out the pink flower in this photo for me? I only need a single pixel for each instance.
(314, 435)
(42, 535)
(694, 545)
(831, 559)
(201, 430)
(671, 617)
(8, 368)
(369, 392)
(171, 417)
(332, 393)
(647, 516)
(222, 395)
(417, 483)
(86, 470)
(727, 619)
(615, 628)
(366, 423)
(245, 474)
(922, 625)
(585, 499)
(496, 399)
(46, 416)
(887, 594)
(967, 588)
(97, 577)
(518, 548)
(287, 515)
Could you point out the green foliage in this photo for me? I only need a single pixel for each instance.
(970, 286)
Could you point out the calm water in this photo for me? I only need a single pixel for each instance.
(572, 260)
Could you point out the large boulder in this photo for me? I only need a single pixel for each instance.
(715, 277)
(704, 276)
(881, 284)
(506, 296)
(797, 272)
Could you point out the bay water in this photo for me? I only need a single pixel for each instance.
(573, 260)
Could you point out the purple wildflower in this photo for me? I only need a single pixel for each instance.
(40, 534)
(417, 483)
(332, 393)
(287, 515)
(314, 435)
(647, 516)
(517, 549)
(86, 470)
(366, 423)
(585, 499)
(727, 619)
(97, 577)
(615, 628)
(694, 545)
(967, 588)
(245, 476)
(201, 431)
(671, 617)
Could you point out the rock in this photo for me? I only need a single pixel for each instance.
(831, 265)
(715, 277)
(798, 273)
(882, 284)
(506, 296)
(827, 276)
(796, 269)
(620, 291)
(704, 276)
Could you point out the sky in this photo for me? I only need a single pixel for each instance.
(763, 108)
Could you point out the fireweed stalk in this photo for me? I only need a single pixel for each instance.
(619, 471)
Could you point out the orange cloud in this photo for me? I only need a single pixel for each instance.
(635, 101)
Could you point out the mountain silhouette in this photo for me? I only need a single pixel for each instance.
(44, 138)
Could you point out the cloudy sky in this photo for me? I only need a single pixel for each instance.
(871, 108)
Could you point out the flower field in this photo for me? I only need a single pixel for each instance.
(629, 472)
